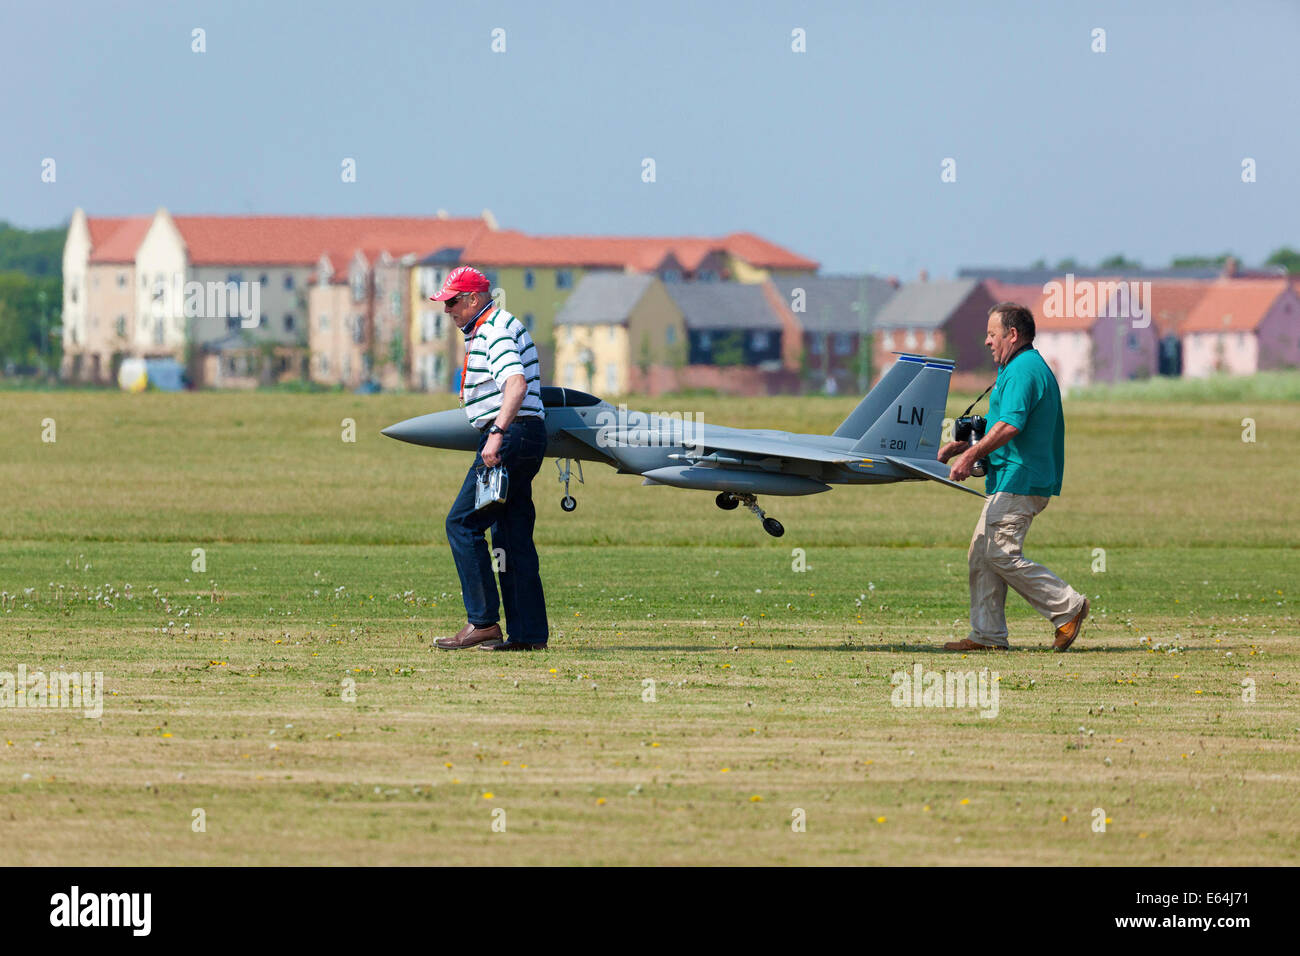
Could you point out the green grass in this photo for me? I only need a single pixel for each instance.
(1278, 386)
(326, 564)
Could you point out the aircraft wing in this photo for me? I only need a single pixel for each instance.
(757, 446)
(933, 470)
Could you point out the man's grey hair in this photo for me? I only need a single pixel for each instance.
(1015, 316)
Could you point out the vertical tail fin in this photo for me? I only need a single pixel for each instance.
(911, 424)
(897, 378)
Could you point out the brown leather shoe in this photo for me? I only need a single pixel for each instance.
(470, 636)
(966, 644)
(1067, 632)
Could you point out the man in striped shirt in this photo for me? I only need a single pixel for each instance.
(502, 394)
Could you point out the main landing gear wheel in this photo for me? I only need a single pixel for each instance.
(728, 500)
(568, 503)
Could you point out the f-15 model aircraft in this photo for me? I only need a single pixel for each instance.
(893, 435)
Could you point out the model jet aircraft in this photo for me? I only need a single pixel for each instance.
(893, 435)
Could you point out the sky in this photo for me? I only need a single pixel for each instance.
(836, 152)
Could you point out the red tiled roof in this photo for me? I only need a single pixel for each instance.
(508, 247)
(120, 244)
(757, 251)
(102, 227)
(300, 240)
(1030, 296)
(1173, 301)
(1234, 305)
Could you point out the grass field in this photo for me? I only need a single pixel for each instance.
(289, 690)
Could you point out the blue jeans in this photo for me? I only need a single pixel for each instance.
(522, 449)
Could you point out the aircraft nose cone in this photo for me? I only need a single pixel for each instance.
(449, 429)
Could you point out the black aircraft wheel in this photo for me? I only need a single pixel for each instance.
(726, 502)
(568, 503)
(773, 527)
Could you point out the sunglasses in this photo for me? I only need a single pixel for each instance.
(456, 298)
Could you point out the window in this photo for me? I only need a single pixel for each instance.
(758, 341)
(706, 341)
(529, 278)
(288, 322)
(706, 275)
(491, 277)
(324, 323)
(563, 278)
(671, 275)
(230, 277)
(121, 280)
(1132, 342)
(843, 343)
(121, 326)
(232, 323)
(570, 371)
(437, 325)
(611, 377)
(288, 280)
(262, 279)
(613, 333)
(815, 345)
(670, 334)
(324, 364)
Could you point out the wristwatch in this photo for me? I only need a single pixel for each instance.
(495, 429)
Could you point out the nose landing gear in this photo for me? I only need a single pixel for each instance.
(568, 502)
(731, 500)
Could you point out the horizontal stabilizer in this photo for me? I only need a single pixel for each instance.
(933, 470)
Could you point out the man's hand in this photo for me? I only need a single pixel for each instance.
(492, 451)
(952, 448)
(961, 468)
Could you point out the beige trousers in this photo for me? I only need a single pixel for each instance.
(996, 561)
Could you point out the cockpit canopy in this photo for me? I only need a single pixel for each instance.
(556, 397)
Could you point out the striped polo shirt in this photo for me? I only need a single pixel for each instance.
(500, 349)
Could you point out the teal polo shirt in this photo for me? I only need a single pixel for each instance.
(1027, 397)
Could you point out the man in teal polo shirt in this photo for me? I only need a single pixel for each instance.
(1025, 449)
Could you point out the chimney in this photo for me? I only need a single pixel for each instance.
(893, 281)
(1230, 268)
(923, 276)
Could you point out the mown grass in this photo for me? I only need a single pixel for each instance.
(325, 575)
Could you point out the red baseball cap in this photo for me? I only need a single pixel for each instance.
(462, 279)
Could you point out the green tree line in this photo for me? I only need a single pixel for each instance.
(1286, 257)
(31, 297)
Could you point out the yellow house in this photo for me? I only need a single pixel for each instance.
(618, 333)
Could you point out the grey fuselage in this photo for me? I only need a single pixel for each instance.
(674, 449)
